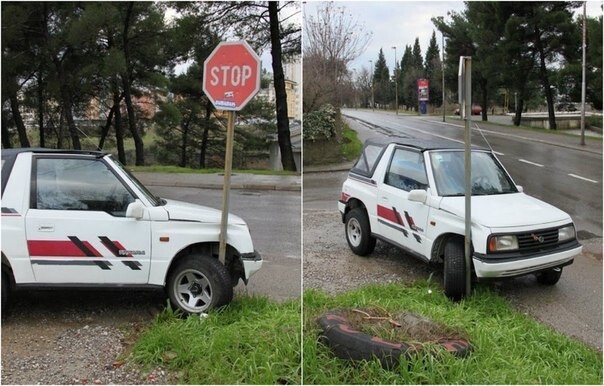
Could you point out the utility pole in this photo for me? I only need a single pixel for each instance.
(443, 77)
(372, 99)
(583, 80)
(395, 83)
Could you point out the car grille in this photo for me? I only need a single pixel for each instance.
(538, 239)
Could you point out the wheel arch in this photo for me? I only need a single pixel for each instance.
(8, 270)
(351, 204)
(438, 246)
(233, 261)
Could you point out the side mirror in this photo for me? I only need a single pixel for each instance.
(135, 210)
(520, 188)
(418, 195)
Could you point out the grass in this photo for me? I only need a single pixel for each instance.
(251, 341)
(351, 145)
(508, 347)
(178, 169)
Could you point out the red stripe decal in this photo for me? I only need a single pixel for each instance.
(54, 248)
(387, 214)
(92, 249)
(121, 247)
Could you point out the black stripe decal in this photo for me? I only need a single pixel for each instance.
(394, 227)
(81, 245)
(134, 265)
(417, 238)
(109, 245)
(9, 210)
(102, 264)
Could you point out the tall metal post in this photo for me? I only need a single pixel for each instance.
(395, 83)
(468, 170)
(372, 99)
(583, 80)
(443, 78)
(228, 166)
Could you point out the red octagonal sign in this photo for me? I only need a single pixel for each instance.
(231, 75)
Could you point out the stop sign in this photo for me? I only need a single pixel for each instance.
(231, 75)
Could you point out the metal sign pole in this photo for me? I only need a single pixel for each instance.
(228, 165)
(468, 170)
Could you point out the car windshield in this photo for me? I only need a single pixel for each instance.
(155, 201)
(488, 176)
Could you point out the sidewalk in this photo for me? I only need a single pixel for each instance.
(242, 181)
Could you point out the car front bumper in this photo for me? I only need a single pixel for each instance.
(491, 268)
(252, 262)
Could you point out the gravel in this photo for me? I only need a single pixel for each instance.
(330, 265)
(77, 337)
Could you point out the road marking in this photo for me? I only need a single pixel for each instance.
(583, 178)
(530, 163)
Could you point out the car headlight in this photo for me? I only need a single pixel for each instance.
(503, 243)
(566, 233)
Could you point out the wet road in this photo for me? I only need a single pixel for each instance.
(274, 221)
(574, 305)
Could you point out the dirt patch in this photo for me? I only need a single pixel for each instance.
(400, 327)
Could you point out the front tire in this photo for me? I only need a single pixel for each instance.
(549, 277)
(358, 232)
(455, 270)
(199, 283)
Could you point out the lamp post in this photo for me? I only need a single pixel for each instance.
(372, 100)
(443, 77)
(395, 83)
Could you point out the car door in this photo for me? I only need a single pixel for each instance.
(76, 228)
(400, 220)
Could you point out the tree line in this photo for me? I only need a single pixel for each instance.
(58, 56)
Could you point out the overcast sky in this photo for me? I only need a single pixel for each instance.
(398, 23)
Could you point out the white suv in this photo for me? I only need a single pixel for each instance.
(79, 219)
(410, 193)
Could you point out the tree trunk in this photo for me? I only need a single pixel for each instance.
(519, 108)
(204, 138)
(283, 135)
(41, 109)
(105, 128)
(126, 83)
(14, 105)
(545, 80)
(119, 130)
(185, 140)
(5, 134)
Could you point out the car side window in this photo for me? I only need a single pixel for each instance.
(79, 184)
(407, 170)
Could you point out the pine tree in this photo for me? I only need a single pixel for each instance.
(381, 81)
(432, 69)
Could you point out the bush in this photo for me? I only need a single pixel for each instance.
(320, 124)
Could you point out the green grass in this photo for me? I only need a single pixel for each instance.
(178, 169)
(351, 145)
(508, 347)
(251, 341)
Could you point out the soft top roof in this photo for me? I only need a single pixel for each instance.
(40, 150)
(420, 144)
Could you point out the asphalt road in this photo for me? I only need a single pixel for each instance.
(574, 305)
(274, 221)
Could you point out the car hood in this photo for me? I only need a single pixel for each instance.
(185, 211)
(506, 210)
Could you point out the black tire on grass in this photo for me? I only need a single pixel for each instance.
(350, 344)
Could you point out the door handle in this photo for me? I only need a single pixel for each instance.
(46, 228)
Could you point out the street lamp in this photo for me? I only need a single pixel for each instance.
(372, 100)
(444, 103)
(395, 83)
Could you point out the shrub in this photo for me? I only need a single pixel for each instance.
(320, 124)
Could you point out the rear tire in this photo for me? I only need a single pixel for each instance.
(358, 232)
(455, 270)
(5, 290)
(549, 277)
(198, 284)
